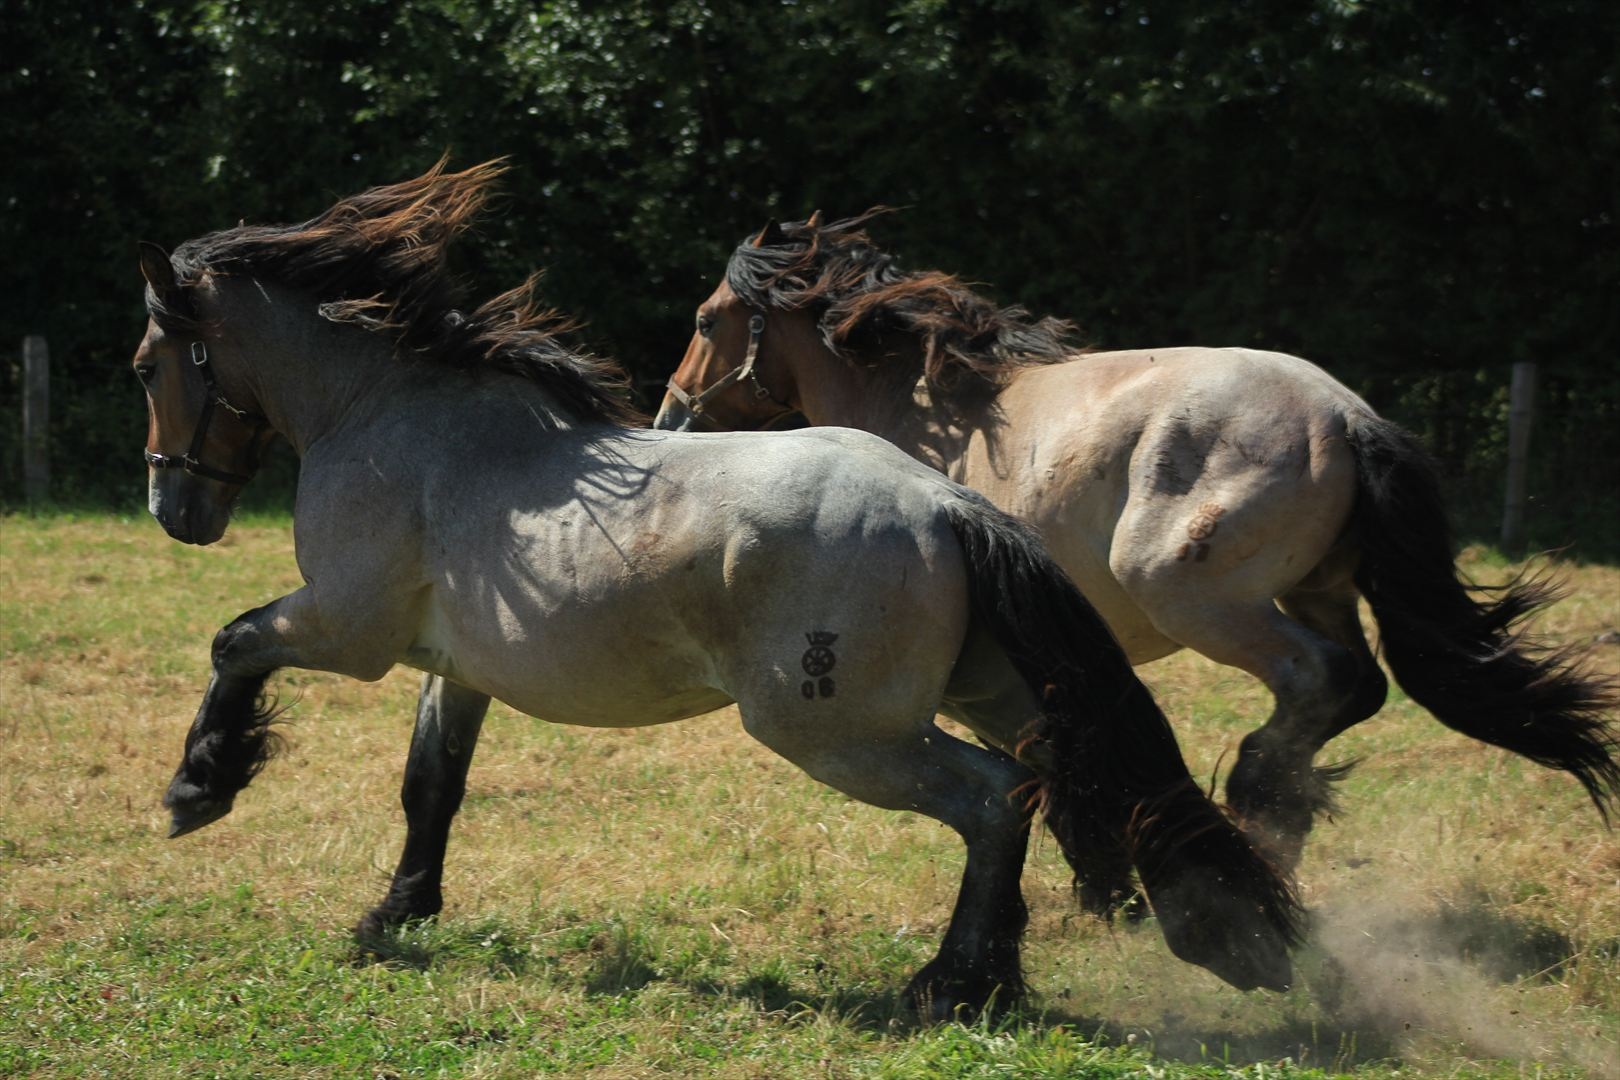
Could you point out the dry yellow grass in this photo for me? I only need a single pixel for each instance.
(1468, 904)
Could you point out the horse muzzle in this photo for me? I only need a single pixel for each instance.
(185, 508)
(673, 416)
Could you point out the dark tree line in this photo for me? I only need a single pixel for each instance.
(1413, 195)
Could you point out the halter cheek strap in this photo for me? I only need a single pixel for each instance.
(695, 403)
(190, 461)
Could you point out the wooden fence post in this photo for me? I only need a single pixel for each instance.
(36, 419)
(1521, 413)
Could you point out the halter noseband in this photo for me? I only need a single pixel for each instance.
(695, 402)
(212, 396)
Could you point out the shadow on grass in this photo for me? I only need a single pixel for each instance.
(621, 963)
(1338, 1019)
(422, 944)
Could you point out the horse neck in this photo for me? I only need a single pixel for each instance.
(883, 391)
(308, 376)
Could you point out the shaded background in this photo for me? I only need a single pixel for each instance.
(1414, 196)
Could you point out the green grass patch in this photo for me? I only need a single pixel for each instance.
(679, 902)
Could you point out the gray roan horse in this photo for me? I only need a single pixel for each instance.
(1229, 501)
(472, 503)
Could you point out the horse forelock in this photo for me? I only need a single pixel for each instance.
(857, 292)
(174, 312)
(378, 260)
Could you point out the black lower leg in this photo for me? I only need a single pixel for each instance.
(229, 742)
(1274, 787)
(448, 720)
(978, 965)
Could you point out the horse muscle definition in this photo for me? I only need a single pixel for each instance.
(472, 502)
(1230, 501)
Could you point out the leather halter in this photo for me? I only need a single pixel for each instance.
(695, 402)
(212, 396)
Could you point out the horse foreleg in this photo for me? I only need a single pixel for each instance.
(230, 738)
(979, 958)
(228, 743)
(448, 719)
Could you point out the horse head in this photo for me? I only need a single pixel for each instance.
(732, 378)
(202, 444)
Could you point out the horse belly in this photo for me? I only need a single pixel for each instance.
(623, 668)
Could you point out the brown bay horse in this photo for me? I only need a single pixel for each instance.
(1230, 501)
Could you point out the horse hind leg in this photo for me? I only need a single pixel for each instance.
(1325, 680)
(966, 787)
(989, 696)
(448, 719)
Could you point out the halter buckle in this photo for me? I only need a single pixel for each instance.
(191, 460)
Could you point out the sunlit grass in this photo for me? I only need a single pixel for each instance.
(677, 901)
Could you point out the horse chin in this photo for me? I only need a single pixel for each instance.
(673, 416)
(190, 515)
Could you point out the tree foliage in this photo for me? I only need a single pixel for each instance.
(1412, 195)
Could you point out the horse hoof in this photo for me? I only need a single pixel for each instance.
(189, 817)
(939, 999)
(374, 926)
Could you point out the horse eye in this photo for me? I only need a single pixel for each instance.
(144, 372)
(705, 324)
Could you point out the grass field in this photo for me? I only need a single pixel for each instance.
(678, 902)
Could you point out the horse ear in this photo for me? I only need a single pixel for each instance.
(814, 221)
(770, 235)
(157, 269)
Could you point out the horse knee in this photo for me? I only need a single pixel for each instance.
(232, 645)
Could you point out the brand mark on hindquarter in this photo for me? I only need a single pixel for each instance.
(1200, 529)
(817, 661)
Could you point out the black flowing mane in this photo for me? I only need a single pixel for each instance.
(858, 293)
(378, 260)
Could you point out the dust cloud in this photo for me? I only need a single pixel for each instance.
(1400, 974)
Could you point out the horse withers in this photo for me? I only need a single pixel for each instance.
(1230, 501)
(472, 503)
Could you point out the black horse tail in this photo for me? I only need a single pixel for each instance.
(1111, 781)
(1457, 648)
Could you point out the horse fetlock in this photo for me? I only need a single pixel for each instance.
(1270, 783)
(1277, 804)
(1276, 819)
(229, 646)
